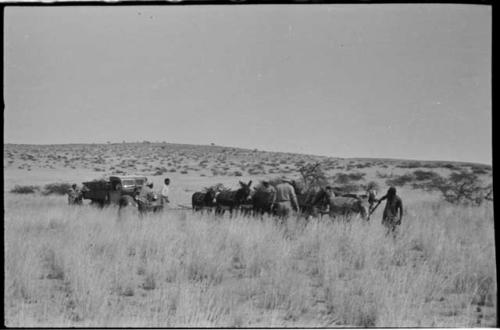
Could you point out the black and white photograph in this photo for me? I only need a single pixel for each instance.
(248, 165)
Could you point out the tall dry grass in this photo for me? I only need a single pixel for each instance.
(82, 266)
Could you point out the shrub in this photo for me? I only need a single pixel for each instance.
(313, 176)
(480, 170)
(24, 189)
(400, 180)
(347, 188)
(425, 175)
(410, 165)
(344, 178)
(356, 176)
(464, 188)
(255, 171)
(450, 166)
(56, 188)
(363, 165)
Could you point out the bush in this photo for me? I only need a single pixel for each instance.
(450, 166)
(255, 171)
(425, 175)
(480, 170)
(400, 180)
(383, 175)
(464, 188)
(356, 176)
(410, 165)
(343, 178)
(56, 188)
(24, 189)
(313, 176)
(363, 165)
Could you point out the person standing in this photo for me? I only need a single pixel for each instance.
(165, 191)
(286, 199)
(393, 211)
(372, 197)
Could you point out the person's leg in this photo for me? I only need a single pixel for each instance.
(287, 209)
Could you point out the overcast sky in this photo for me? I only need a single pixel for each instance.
(393, 81)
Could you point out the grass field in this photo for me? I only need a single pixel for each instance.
(84, 266)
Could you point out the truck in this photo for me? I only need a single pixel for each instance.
(121, 191)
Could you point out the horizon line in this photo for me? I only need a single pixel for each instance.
(248, 148)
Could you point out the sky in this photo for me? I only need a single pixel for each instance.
(410, 81)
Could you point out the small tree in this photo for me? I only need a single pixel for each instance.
(464, 187)
(488, 193)
(313, 176)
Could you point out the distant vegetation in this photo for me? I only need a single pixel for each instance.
(458, 188)
(56, 188)
(24, 189)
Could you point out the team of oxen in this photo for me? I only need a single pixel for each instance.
(257, 202)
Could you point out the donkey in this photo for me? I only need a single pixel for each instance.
(349, 204)
(232, 199)
(203, 200)
(313, 202)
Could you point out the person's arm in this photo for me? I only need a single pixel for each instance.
(400, 206)
(293, 198)
(378, 203)
(381, 200)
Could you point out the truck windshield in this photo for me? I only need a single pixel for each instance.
(128, 182)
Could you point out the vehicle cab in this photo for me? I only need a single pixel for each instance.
(127, 183)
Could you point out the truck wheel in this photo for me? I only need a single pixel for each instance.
(126, 201)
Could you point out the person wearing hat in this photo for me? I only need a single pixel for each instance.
(286, 199)
(393, 211)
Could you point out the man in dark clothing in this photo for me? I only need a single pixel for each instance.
(372, 198)
(393, 211)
